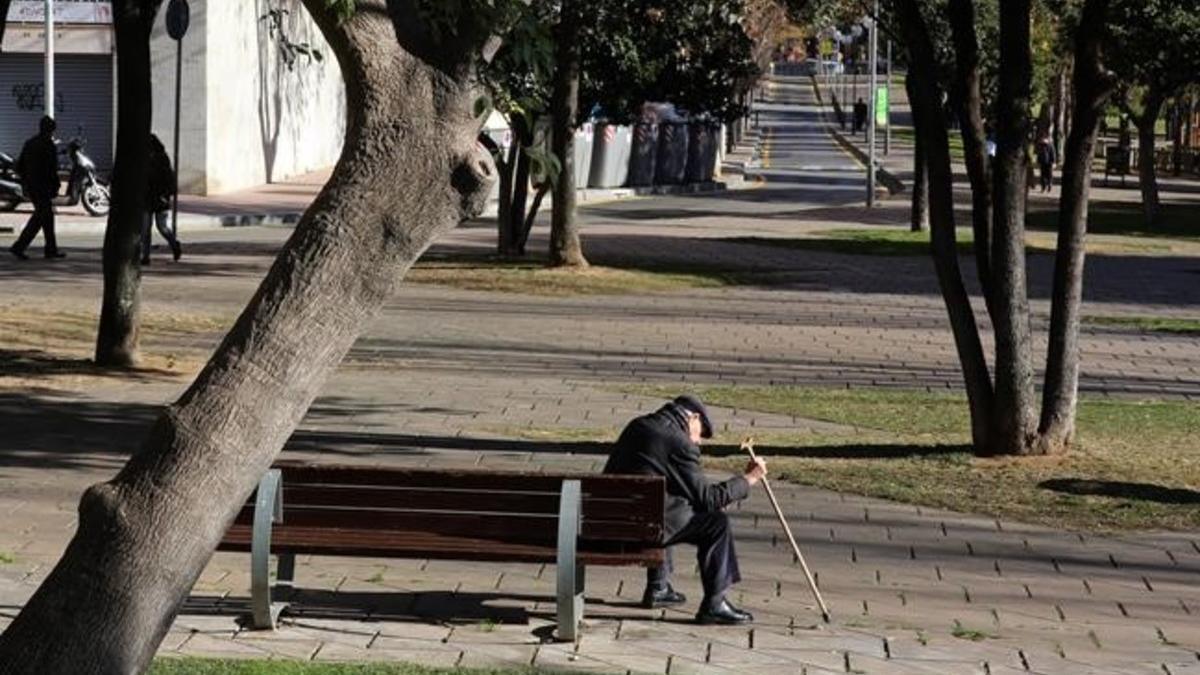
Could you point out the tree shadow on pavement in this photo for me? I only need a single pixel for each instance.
(1146, 492)
(35, 363)
(448, 607)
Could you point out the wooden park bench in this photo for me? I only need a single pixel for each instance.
(572, 520)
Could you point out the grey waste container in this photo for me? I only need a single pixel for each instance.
(672, 152)
(611, 147)
(643, 157)
(702, 152)
(583, 155)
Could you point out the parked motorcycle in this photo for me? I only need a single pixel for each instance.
(83, 183)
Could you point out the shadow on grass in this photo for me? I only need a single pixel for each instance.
(34, 363)
(1178, 221)
(1144, 492)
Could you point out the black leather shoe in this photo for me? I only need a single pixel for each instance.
(55, 255)
(722, 613)
(19, 254)
(176, 250)
(662, 597)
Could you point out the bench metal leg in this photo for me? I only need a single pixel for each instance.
(570, 572)
(268, 509)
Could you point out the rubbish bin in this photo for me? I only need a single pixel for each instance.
(643, 156)
(702, 152)
(583, 154)
(672, 152)
(611, 147)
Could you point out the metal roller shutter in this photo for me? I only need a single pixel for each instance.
(84, 94)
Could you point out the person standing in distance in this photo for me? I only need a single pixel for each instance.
(667, 443)
(38, 168)
(160, 188)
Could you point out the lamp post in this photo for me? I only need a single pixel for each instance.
(873, 60)
(48, 85)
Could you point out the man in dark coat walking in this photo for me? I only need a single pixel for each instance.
(667, 443)
(38, 168)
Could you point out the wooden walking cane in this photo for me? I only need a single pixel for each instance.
(748, 446)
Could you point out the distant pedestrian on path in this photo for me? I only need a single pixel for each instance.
(667, 443)
(38, 168)
(160, 188)
(860, 115)
(1045, 159)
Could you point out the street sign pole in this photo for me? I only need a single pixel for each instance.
(178, 15)
(887, 125)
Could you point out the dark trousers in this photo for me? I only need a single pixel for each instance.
(712, 536)
(160, 222)
(1047, 176)
(42, 219)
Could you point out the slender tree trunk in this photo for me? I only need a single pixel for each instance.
(919, 220)
(1093, 85)
(926, 97)
(505, 168)
(145, 536)
(969, 107)
(1061, 112)
(519, 202)
(1176, 136)
(120, 313)
(1147, 176)
(565, 247)
(1016, 428)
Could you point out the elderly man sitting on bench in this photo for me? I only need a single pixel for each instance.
(667, 443)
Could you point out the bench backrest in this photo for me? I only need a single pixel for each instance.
(510, 507)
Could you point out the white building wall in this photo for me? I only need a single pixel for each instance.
(267, 122)
(246, 118)
(193, 118)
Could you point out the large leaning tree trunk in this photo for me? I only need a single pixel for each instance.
(145, 536)
(1093, 87)
(120, 313)
(565, 247)
(4, 5)
(1015, 423)
(968, 104)
(1147, 176)
(919, 215)
(925, 95)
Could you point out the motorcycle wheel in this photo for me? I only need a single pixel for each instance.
(95, 199)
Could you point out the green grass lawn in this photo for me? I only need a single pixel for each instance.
(909, 135)
(1135, 465)
(1179, 221)
(1150, 324)
(195, 666)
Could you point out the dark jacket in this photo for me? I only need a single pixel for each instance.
(38, 167)
(658, 444)
(160, 184)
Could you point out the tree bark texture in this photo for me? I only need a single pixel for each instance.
(145, 536)
(919, 216)
(1092, 85)
(4, 5)
(926, 97)
(120, 313)
(1147, 177)
(968, 102)
(566, 250)
(1015, 422)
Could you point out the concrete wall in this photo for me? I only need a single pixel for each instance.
(247, 118)
(193, 118)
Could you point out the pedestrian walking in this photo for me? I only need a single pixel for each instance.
(160, 188)
(667, 443)
(38, 168)
(1045, 159)
(860, 115)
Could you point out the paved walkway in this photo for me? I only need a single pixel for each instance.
(456, 378)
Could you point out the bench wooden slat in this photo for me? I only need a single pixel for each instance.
(461, 479)
(374, 543)
(632, 506)
(494, 526)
